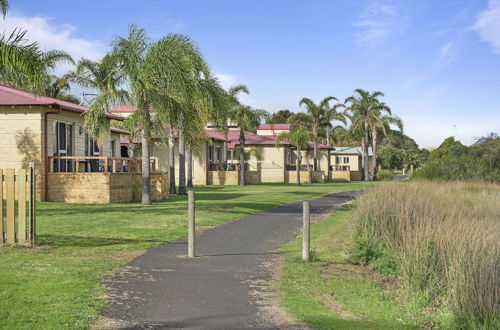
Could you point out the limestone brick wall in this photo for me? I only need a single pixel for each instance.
(223, 177)
(103, 187)
(271, 167)
(341, 175)
(305, 176)
(355, 176)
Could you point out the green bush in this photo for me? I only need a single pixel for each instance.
(458, 162)
(385, 175)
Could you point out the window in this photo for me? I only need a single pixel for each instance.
(217, 154)
(63, 146)
(337, 160)
(210, 153)
(113, 148)
(346, 160)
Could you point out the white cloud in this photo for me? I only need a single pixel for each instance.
(227, 80)
(54, 36)
(488, 25)
(378, 21)
(447, 53)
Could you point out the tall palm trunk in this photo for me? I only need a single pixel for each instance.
(242, 158)
(182, 165)
(327, 131)
(365, 152)
(315, 134)
(171, 162)
(224, 151)
(298, 160)
(146, 171)
(190, 167)
(374, 152)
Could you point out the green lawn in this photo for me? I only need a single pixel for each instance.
(332, 293)
(56, 284)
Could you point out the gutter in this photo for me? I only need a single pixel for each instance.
(45, 152)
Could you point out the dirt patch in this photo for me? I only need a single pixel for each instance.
(126, 256)
(265, 296)
(104, 323)
(335, 306)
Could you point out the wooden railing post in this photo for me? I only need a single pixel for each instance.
(106, 164)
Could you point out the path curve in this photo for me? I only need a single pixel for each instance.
(163, 289)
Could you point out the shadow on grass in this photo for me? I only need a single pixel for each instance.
(88, 241)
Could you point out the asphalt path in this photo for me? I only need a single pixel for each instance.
(163, 288)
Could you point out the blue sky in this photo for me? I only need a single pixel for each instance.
(438, 62)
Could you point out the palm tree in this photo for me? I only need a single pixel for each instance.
(380, 123)
(104, 77)
(4, 5)
(131, 55)
(247, 119)
(59, 87)
(332, 114)
(363, 105)
(176, 73)
(24, 65)
(299, 136)
(316, 113)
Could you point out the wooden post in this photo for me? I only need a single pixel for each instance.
(106, 165)
(191, 217)
(9, 179)
(306, 231)
(1, 206)
(21, 207)
(32, 203)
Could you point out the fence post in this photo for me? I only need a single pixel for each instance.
(191, 217)
(306, 231)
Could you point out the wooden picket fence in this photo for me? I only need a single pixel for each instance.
(17, 206)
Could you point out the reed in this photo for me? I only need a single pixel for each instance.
(442, 239)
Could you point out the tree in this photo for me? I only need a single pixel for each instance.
(390, 157)
(380, 123)
(279, 117)
(247, 119)
(316, 113)
(332, 114)
(299, 136)
(4, 5)
(363, 107)
(24, 65)
(59, 87)
(104, 77)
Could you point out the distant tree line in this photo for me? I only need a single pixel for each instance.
(455, 161)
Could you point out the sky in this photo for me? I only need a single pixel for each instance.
(437, 62)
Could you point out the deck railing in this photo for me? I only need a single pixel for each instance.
(97, 164)
(225, 167)
(338, 167)
(302, 167)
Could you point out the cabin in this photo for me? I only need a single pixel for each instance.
(347, 163)
(70, 165)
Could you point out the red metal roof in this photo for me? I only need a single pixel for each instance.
(119, 130)
(13, 97)
(233, 137)
(320, 146)
(274, 127)
(124, 108)
(216, 135)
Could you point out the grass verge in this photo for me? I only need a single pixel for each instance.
(333, 293)
(56, 284)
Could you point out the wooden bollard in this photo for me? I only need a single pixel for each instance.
(306, 234)
(191, 217)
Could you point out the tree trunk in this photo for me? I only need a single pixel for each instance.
(146, 171)
(327, 129)
(224, 152)
(182, 165)
(298, 160)
(315, 163)
(374, 152)
(130, 149)
(190, 167)
(171, 162)
(242, 158)
(365, 152)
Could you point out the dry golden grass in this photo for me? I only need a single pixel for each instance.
(444, 240)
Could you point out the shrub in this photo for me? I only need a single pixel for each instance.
(443, 240)
(385, 175)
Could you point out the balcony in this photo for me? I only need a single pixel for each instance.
(225, 167)
(302, 167)
(76, 164)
